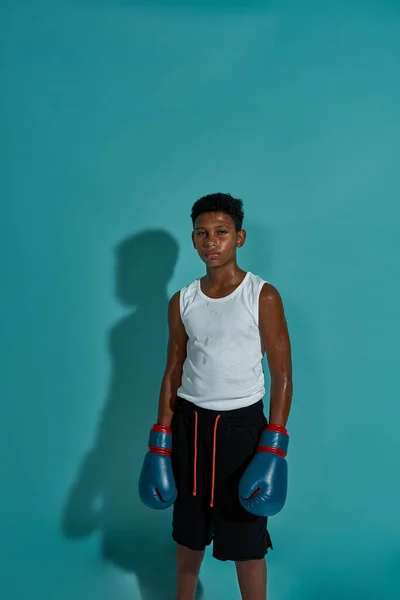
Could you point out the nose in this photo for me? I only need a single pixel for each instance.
(209, 242)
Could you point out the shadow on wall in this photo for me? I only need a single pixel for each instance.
(104, 498)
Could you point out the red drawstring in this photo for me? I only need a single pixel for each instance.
(196, 418)
(213, 464)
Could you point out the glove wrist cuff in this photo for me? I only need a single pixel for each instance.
(160, 440)
(161, 429)
(274, 439)
(277, 429)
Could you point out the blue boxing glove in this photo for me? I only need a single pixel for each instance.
(157, 487)
(263, 485)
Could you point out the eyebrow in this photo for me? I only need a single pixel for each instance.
(216, 226)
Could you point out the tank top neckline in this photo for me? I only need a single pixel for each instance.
(229, 296)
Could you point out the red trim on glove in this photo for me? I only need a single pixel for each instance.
(161, 429)
(162, 451)
(277, 451)
(277, 429)
(255, 493)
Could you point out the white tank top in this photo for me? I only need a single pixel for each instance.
(223, 366)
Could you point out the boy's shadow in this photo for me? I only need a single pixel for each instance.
(104, 497)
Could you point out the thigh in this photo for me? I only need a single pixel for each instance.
(236, 446)
(238, 535)
(191, 523)
(240, 539)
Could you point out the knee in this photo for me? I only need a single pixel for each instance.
(189, 561)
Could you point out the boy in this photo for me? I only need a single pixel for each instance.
(213, 454)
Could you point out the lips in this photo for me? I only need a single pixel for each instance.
(212, 254)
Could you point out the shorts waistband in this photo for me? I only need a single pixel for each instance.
(188, 407)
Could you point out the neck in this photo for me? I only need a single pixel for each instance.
(229, 273)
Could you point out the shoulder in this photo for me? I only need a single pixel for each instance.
(182, 297)
(269, 293)
(265, 290)
(270, 303)
(174, 301)
(182, 292)
(175, 321)
(187, 295)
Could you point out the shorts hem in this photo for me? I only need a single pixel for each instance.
(240, 558)
(188, 545)
(248, 555)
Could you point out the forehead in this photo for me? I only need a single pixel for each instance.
(213, 219)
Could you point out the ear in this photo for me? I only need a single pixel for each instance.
(240, 238)
(193, 241)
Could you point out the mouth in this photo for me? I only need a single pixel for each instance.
(211, 254)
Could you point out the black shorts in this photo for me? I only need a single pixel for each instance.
(210, 451)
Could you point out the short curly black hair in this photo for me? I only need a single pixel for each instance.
(219, 203)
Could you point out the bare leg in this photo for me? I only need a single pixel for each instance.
(188, 569)
(252, 578)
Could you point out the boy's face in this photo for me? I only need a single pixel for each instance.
(216, 239)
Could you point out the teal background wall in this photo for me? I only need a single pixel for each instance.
(115, 118)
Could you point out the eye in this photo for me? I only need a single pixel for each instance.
(222, 231)
(198, 233)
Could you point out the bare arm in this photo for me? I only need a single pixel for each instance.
(275, 335)
(176, 354)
